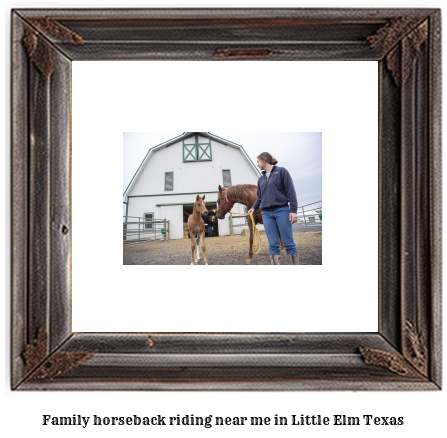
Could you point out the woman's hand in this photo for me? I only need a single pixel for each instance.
(293, 218)
(251, 211)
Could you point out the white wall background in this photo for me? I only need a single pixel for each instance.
(341, 105)
(424, 413)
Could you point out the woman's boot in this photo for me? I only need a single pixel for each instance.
(275, 259)
(293, 259)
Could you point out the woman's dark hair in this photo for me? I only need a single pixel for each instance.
(268, 158)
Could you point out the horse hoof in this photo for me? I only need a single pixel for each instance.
(192, 264)
(248, 261)
(195, 263)
(206, 263)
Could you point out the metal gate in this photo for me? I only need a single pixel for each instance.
(136, 229)
(312, 215)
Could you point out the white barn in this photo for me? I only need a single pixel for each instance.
(173, 173)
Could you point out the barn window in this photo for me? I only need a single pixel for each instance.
(196, 149)
(226, 177)
(169, 180)
(189, 149)
(204, 150)
(148, 217)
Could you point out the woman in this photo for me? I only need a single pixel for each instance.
(275, 192)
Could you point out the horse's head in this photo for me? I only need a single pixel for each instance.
(200, 206)
(223, 205)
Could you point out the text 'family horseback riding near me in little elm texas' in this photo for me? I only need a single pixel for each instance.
(212, 420)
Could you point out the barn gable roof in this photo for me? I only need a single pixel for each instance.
(176, 140)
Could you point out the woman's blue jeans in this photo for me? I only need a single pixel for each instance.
(276, 220)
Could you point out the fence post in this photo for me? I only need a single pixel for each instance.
(168, 229)
(304, 216)
(138, 229)
(231, 225)
(155, 226)
(164, 226)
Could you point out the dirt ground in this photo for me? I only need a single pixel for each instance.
(224, 250)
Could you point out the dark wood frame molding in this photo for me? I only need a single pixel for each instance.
(405, 354)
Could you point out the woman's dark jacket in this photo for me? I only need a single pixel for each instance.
(276, 191)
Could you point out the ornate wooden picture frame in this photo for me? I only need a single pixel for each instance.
(405, 353)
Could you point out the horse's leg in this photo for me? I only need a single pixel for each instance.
(250, 249)
(202, 238)
(197, 241)
(197, 246)
(193, 248)
(281, 243)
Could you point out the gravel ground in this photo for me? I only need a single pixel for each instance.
(224, 250)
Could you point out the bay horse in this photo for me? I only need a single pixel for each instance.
(245, 194)
(196, 228)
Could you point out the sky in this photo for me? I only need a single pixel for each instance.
(299, 152)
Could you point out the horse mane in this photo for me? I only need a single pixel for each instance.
(242, 192)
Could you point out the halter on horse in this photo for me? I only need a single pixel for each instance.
(221, 208)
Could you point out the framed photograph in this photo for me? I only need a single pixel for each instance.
(161, 190)
(49, 353)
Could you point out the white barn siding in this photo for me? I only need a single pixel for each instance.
(198, 176)
(171, 212)
(152, 178)
(190, 179)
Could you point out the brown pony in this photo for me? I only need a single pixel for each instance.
(245, 194)
(196, 227)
